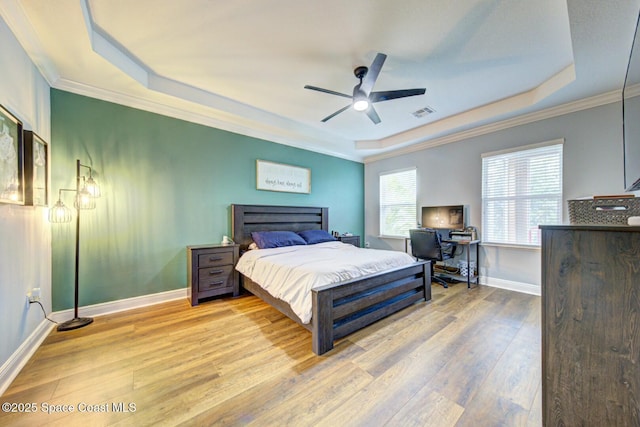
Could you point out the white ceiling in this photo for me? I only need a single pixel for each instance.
(242, 65)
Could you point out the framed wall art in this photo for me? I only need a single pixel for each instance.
(36, 170)
(279, 177)
(11, 163)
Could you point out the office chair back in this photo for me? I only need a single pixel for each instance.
(426, 244)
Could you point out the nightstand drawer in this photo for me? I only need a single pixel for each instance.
(215, 277)
(215, 258)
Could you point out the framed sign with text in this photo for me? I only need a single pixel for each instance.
(280, 177)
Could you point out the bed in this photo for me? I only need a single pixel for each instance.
(338, 309)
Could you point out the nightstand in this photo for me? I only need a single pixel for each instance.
(211, 271)
(352, 240)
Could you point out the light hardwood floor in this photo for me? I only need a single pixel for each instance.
(467, 358)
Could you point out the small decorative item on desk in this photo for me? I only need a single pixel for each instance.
(226, 240)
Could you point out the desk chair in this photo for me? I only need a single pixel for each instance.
(426, 244)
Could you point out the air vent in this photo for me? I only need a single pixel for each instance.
(423, 112)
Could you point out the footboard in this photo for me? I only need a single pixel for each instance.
(342, 308)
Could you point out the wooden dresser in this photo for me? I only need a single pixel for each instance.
(590, 325)
(211, 271)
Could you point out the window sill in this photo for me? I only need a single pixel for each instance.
(511, 246)
(393, 237)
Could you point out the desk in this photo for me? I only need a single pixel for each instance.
(468, 245)
(472, 276)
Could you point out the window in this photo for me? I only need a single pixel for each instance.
(397, 202)
(521, 190)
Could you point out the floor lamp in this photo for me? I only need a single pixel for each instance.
(86, 192)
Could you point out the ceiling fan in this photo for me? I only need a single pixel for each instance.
(362, 98)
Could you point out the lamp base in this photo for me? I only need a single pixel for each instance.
(75, 323)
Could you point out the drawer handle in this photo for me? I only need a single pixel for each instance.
(215, 258)
(215, 272)
(217, 282)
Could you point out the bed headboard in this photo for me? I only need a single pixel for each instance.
(248, 218)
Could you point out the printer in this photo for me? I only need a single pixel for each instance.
(468, 233)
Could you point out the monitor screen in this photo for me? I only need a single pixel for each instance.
(449, 217)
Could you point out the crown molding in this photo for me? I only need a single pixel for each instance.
(18, 22)
(571, 107)
(260, 123)
(264, 125)
(475, 115)
(631, 91)
(253, 129)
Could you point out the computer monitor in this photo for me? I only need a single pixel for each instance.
(445, 217)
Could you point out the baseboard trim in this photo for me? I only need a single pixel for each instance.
(12, 367)
(526, 288)
(121, 305)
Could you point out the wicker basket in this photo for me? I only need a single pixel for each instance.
(605, 211)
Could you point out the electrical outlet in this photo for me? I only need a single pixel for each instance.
(34, 295)
(366, 244)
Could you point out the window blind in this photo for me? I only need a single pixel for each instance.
(397, 202)
(521, 190)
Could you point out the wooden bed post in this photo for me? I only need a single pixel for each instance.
(426, 271)
(322, 319)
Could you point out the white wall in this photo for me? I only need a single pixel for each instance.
(25, 237)
(452, 173)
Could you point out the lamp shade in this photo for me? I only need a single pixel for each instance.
(59, 213)
(92, 187)
(84, 199)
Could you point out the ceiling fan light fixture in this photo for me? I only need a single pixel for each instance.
(360, 104)
(363, 98)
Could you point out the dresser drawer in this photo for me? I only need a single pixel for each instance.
(215, 277)
(215, 258)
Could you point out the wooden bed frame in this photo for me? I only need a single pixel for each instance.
(341, 308)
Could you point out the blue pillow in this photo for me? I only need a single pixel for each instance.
(316, 236)
(276, 239)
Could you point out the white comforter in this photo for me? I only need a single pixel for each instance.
(289, 273)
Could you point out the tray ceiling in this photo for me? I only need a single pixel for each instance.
(242, 65)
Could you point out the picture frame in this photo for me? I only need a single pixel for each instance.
(36, 170)
(11, 159)
(272, 176)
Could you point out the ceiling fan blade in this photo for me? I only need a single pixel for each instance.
(373, 115)
(331, 92)
(336, 113)
(394, 94)
(372, 75)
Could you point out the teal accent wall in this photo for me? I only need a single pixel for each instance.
(166, 184)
